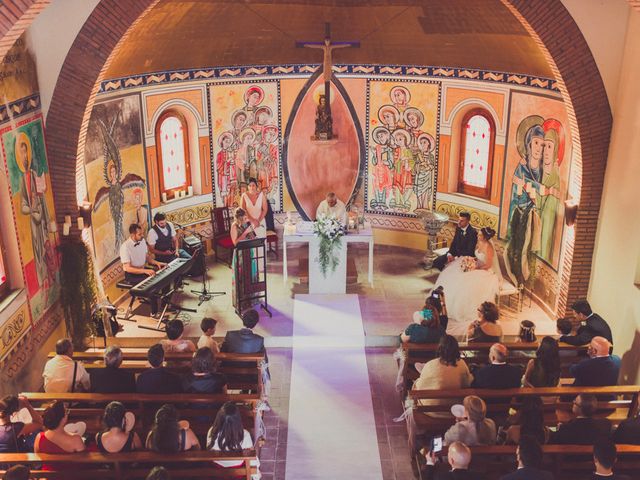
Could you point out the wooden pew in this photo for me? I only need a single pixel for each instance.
(419, 422)
(519, 354)
(565, 461)
(200, 410)
(134, 465)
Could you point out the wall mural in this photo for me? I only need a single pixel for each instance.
(115, 173)
(246, 135)
(403, 126)
(535, 183)
(26, 157)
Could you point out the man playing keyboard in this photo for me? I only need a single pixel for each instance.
(134, 256)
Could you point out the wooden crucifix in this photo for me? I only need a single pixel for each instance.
(323, 119)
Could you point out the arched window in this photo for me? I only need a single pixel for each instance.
(476, 153)
(172, 145)
(4, 275)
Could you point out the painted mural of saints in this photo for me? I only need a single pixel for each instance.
(115, 187)
(248, 150)
(402, 156)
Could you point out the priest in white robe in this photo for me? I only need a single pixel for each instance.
(331, 206)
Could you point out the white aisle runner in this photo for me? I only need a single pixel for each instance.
(332, 432)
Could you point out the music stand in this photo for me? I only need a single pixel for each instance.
(250, 273)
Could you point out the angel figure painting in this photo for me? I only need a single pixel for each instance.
(115, 169)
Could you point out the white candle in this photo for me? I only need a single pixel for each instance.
(183, 194)
(53, 226)
(80, 223)
(65, 229)
(67, 219)
(164, 197)
(190, 190)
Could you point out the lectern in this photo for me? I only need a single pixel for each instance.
(250, 275)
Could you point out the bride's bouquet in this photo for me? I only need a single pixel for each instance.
(468, 264)
(329, 230)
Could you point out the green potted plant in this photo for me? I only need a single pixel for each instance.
(79, 291)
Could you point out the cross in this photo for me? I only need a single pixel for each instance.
(327, 47)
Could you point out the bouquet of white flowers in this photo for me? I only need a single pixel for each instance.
(468, 264)
(329, 230)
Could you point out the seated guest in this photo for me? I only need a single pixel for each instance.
(628, 432)
(208, 327)
(228, 435)
(425, 328)
(544, 370)
(158, 379)
(17, 472)
(528, 420)
(203, 378)
(584, 429)
(604, 458)
(111, 378)
(499, 374)
(158, 473)
(174, 341)
(438, 301)
(564, 326)
(11, 432)
(62, 374)
(591, 325)
(600, 370)
(486, 328)
(446, 372)
(458, 457)
(474, 428)
(119, 435)
(55, 439)
(168, 435)
(244, 340)
(529, 455)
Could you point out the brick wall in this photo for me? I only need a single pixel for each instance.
(15, 18)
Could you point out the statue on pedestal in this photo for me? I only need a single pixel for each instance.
(324, 123)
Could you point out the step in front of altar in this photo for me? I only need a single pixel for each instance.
(303, 271)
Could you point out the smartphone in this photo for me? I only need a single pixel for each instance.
(436, 444)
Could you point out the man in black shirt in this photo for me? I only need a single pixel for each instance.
(111, 378)
(584, 429)
(529, 454)
(458, 457)
(498, 374)
(591, 325)
(604, 457)
(158, 379)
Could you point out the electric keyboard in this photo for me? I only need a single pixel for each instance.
(163, 278)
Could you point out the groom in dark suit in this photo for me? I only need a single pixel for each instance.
(463, 244)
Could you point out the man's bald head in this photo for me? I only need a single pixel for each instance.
(600, 346)
(459, 455)
(332, 199)
(498, 353)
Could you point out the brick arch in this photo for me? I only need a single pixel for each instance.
(547, 21)
(15, 18)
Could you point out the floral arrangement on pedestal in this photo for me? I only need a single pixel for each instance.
(329, 230)
(467, 264)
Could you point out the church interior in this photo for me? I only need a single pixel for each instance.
(399, 201)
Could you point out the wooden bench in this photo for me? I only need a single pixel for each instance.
(200, 410)
(519, 354)
(134, 465)
(420, 421)
(565, 461)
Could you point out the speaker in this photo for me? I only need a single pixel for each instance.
(194, 246)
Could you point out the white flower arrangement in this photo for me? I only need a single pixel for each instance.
(468, 264)
(329, 230)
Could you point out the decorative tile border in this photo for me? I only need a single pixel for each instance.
(215, 73)
(13, 330)
(20, 107)
(479, 218)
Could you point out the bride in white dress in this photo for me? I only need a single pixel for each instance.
(466, 290)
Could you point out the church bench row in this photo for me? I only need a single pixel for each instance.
(134, 465)
(171, 356)
(200, 410)
(565, 461)
(557, 404)
(519, 354)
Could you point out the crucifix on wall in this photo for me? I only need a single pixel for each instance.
(324, 123)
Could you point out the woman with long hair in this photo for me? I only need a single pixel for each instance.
(118, 435)
(486, 328)
(168, 435)
(426, 326)
(241, 229)
(228, 435)
(529, 420)
(55, 439)
(12, 433)
(544, 370)
(474, 428)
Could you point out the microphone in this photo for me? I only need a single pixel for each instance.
(178, 225)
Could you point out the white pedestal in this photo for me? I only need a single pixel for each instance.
(335, 281)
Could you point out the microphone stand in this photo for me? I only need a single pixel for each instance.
(204, 295)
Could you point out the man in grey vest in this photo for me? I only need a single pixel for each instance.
(163, 241)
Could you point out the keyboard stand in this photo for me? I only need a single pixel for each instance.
(166, 299)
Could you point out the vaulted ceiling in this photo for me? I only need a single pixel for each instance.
(180, 34)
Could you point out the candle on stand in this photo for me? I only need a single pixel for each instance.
(80, 223)
(190, 190)
(164, 197)
(67, 219)
(53, 226)
(65, 229)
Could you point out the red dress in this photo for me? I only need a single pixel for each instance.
(47, 446)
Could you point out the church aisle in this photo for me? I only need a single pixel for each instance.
(331, 431)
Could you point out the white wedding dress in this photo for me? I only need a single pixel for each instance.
(465, 291)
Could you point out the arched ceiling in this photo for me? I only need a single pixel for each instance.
(181, 34)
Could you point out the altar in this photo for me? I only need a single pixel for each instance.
(336, 281)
